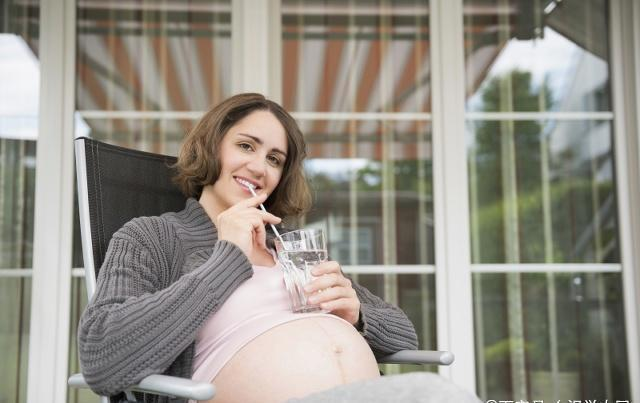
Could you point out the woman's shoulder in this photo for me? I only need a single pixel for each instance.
(144, 229)
(169, 227)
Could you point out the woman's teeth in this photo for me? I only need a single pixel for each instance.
(246, 184)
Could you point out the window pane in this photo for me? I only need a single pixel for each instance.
(17, 198)
(542, 192)
(355, 56)
(568, 328)
(415, 295)
(372, 184)
(19, 100)
(15, 309)
(559, 51)
(153, 55)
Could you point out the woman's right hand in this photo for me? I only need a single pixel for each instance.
(243, 224)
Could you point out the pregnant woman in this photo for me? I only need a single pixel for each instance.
(199, 294)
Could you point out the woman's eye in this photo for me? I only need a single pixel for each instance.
(275, 161)
(245, 146)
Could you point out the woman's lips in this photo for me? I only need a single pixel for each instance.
(245, 184)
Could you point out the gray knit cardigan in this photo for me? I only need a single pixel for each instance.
(160, 280)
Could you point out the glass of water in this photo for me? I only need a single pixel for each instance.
(299, 251)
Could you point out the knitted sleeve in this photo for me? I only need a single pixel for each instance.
(385, 327)
(137, 323)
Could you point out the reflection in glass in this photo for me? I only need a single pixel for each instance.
(17, 201)
(572, 337)
(154, 55)
(355, 56)
(372, 183)
(416, 297)
(15, 308)
(561, 46)
(542, 191)
(161, 136)
(19, 100)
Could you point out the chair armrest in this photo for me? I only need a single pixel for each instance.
(161, 385)
(418, 357)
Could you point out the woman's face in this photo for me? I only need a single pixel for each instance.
(254, 150)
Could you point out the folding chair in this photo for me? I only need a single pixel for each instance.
(116, 184)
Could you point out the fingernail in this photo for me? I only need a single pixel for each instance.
(312, 300)
(307, 288)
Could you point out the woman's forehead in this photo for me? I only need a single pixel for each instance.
(263, 128)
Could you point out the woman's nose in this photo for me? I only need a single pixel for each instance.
(257, 166)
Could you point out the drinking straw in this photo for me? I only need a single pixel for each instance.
(273, 227)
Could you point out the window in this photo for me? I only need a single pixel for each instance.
(544, 225)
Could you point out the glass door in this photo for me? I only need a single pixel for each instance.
(547, 286)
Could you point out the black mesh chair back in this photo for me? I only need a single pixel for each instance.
(116, 184)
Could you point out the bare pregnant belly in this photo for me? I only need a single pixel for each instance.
(295, 359)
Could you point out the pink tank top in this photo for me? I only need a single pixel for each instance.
(259, 304)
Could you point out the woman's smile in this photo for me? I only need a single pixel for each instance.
(246, 183)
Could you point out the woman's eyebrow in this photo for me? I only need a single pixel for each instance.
(259, 141)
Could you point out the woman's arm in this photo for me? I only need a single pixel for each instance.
(136, 324)
(385, 327)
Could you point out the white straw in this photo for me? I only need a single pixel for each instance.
(250, 187)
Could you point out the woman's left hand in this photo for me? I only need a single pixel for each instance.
(337, 296)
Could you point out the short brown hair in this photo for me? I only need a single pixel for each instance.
(198, 164)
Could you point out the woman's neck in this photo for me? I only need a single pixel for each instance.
(210, 205)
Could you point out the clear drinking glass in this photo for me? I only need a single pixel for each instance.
(299, 251)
